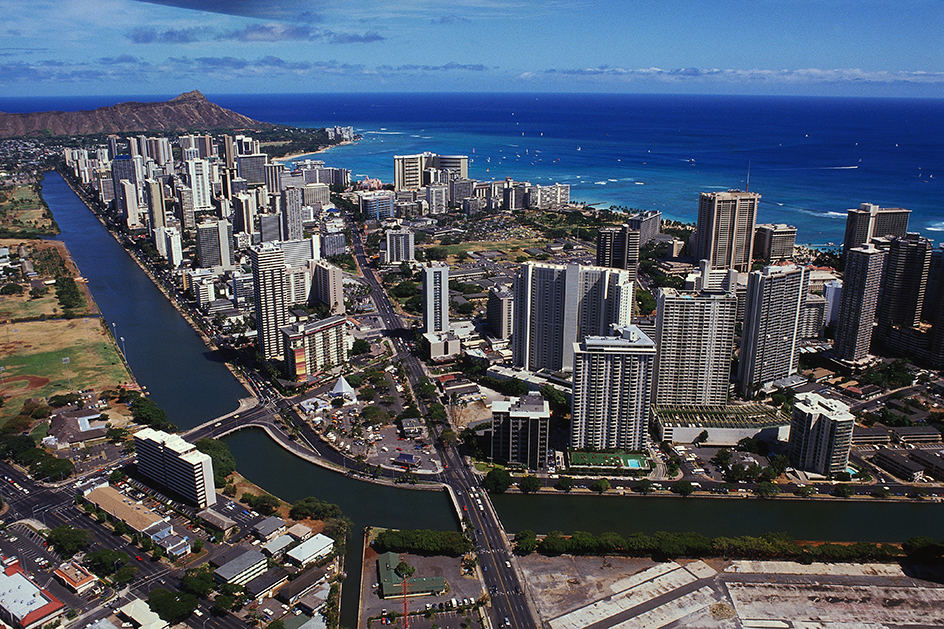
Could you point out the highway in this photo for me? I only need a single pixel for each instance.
(508, 601)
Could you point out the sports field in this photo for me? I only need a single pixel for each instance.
(609, 459)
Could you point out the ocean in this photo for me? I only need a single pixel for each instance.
(810, 158)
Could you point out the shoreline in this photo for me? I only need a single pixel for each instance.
(294, 157)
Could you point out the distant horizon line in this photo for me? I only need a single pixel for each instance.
(169, 96)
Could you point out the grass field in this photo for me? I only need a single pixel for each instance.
(609, 459)
(32, 360)
(22, 210)
(16, 307)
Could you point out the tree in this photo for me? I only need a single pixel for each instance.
(198, 581)
(702, 437)
(117, 476)
(360, 346)
(173, 607)
(600, 485)
(565, 483)
(67, 540)
(497, 481)
(780, 463)
(104, 562)
(529, 484)
(645, 486)
(223, 462)
(766, 489)
(404, 570)
(222, 604)
(525, 542)
(449, 437)
(683, 488)
(842, 491)
(197, 545)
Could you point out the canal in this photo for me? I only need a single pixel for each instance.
(183, 377)
(166, 355)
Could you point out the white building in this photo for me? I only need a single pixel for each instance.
(820, 434)
(611, 394)
(436, 297)
(177, 465)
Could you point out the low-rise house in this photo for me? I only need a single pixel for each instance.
(392, 586)
(898, 463)
(266, 583)
(311, 550)
(139, 614)
(301, 585)
(218, 521)
(275, 547)
(75, 577)
(23, 603)
(245, 567)
(270, 528)
(300, 532)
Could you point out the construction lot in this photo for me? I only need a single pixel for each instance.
(616, 592)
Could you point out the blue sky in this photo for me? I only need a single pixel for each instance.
(133, 47)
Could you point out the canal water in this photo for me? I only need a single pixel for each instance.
(167, 356)
(184, 379)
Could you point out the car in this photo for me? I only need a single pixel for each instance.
(138, 557)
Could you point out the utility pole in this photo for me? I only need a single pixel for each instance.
(65, 361)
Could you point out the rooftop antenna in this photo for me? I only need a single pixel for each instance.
(748, 188)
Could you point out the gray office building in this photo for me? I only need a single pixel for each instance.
(520, 431)
(858, 302)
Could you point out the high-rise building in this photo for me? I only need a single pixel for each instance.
(871, 221)
(612, 390)
(252, 167)
(327, 286)
(500, 311)
(399, 246)
(905, 281)
(198, 174)
(160, 151)
(557, 306)
(244, 212)
(435, 297)
(128, 196)
(725, 232)
(177, 465)
(167, 243)
(378, 205)
(520, 431)
(292, 214)
(648, 224)
(437, 197)
(333, 244)
(299, 252)
(154, 195)
(813, 316)
(770, 347)
(832, 291)
(268, 279)
(820, 434)
(858, 302)
(273, 177)
(314, 347)
(695, 341)
(408, 169)
(618, 248)
(316, 193)
(270, 226)
(215, 243)
(774, 242)
(460, 189)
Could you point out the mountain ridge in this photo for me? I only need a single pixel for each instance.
(190, 110)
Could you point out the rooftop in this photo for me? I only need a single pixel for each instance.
(731, 416)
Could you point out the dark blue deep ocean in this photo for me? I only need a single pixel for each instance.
(810, 158)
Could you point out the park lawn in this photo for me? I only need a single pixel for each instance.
(22, 306)
(33, 367)
(22, 209)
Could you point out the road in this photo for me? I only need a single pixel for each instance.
(504, 586)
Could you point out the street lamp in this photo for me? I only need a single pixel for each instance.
(2, 383)
(123, 348)
(65, 361)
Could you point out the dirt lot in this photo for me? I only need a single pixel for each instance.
(33, 352)
(21, 210)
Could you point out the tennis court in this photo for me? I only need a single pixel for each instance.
(609, 459)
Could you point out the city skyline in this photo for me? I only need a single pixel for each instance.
(127, 47)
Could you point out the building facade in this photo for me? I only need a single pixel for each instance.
(869, 221)
(520, 431)
(618, 248)
(177, 465)
(557, 306)
(399, 246)
(215, 244)
(770, 348)
(313, 347)
(858, 302)
(725, 232)
(695, 341)
(774, 242)
(327, 286)
(500, 311)
(269, 294)
(648, 224)
(820, 434)
(612, 385)
(435, 298)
